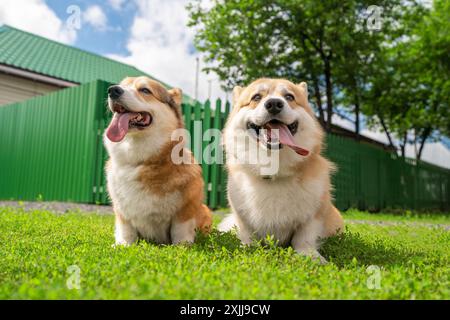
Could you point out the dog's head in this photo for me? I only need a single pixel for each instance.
(142, 107)
(276, 114)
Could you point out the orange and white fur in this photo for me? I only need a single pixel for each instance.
(292, 204)
(153, 198)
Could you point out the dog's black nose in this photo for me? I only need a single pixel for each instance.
(274, 106)
(115, 92)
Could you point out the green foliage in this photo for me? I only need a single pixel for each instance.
(38, 247)
(409, 88)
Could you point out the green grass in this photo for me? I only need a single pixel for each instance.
(400, 216)
(37, 248)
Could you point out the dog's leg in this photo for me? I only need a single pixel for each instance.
(182, 231)
(231, 222)
(306, 238)
(125, 233)
(243, 232)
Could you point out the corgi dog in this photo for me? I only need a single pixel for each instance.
(153, 198)
(292, 203)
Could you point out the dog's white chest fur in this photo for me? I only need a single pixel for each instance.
(150, 214)
(275, 207)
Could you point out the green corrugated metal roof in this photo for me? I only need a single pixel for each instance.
(37, 54)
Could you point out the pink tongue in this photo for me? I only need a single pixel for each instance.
(118, 127)
(286, 138)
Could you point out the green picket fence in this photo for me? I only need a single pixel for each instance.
(205, 118)
(51, 148)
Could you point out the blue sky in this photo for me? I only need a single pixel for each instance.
(112, 40)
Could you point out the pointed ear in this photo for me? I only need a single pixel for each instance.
(304, 87)
(237, 90)
(177, 95)
(304, 99)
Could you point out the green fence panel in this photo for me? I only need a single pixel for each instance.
(223, 200)
(48, 145)
(370, 178)
(104, 117)
(215, 166)
(197, 132)
(187, 113)
(205, 142)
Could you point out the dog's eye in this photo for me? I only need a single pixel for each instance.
(145, 91)
(256, 97)
(289, 97)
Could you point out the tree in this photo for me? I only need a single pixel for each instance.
(360, 51)
(431, 44)
(408, 90)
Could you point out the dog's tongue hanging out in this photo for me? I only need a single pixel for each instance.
(286, 137)
(118, 127)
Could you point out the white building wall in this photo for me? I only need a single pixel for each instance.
(15, 89)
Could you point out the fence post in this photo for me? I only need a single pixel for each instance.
(223, 172)
(205, 166)
(196, 145)
(215, 165)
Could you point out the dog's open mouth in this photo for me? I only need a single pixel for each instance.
(276, 134)
(123, 120)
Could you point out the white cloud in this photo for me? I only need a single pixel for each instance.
(161, 44)
(116, 4)
(35, 16)
(95, 16)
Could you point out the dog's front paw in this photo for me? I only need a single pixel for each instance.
(185, 242)
(313, 254)
(121, 244)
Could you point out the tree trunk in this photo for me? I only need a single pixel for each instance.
(319, 103)
(383, 124)
(416, 152)
(403, 145)
(425, 136)
(329, 93)
(357, 128)
(356, 102)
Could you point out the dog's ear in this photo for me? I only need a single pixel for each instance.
(304, 98)
(237, 90)
(177, 95)
(304, 87)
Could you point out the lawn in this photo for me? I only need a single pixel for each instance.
(42, 254)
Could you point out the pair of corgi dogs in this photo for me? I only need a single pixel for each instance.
(156, 199)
